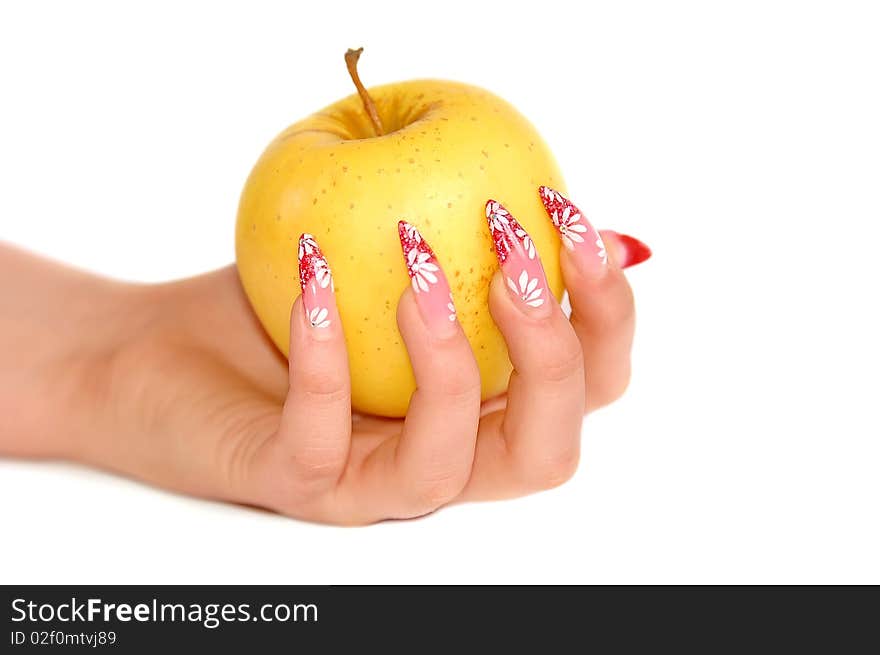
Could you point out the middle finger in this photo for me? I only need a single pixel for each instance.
(535, 443)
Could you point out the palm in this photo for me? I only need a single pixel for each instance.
(231, 378)
(248, 375)
(223, 389)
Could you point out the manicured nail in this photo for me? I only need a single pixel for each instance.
(630, 250)
(433, 296)
(316, 283)
(519, 261)
(576, 233)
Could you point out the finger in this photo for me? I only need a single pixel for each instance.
(545, 402)
(603, 312)
(312, 443)
(430, 463)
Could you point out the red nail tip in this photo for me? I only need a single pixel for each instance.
(421, 263)
(571, 223)
(506, 232)
(553, 200)
(635, 252)
(411, 239)
(316, 283)
(312, 264)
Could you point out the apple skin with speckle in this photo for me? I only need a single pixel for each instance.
(448, 148)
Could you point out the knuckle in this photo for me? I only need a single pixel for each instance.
(329, 509)
(553, 470)
(284, 494)
(430, 494)
(302, 491)
(319, 385)
(608, 391)
(457, 382)
(298, 484)
(314, 464)
(564, 361)
(611, 315)
(305, 473)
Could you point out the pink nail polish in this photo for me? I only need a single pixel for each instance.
(516, 254)
(575, 230)
(433, 296)
(316, 283)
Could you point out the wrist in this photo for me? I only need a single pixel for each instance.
(99, 370)
(61, 331)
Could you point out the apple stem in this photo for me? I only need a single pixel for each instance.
(351, 60)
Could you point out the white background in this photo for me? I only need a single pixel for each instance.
(740, 140)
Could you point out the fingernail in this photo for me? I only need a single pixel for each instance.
(433, 296)
(519, 261)
(576, 233)
(630, 250)
(316, 283)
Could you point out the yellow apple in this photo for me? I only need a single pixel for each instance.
(447, 148)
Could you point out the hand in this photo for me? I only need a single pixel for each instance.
(188, 395)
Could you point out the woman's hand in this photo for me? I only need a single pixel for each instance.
(179, 386)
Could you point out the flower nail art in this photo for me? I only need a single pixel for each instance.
(318, 317)
(575, 231)
(527, 289)
(316, 283)
(517, 256)
(421, 270)
(432, 292)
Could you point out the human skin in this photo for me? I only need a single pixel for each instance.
(178, 385)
